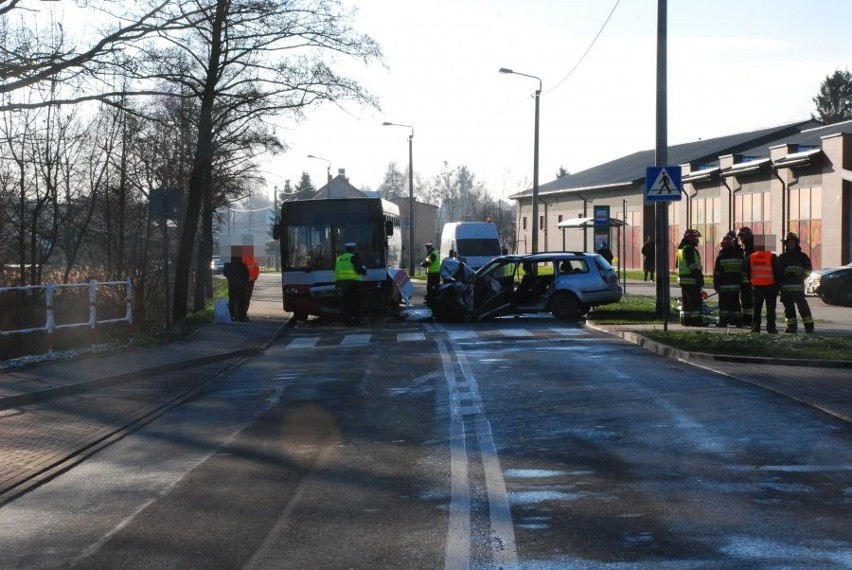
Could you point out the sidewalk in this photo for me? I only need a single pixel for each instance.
(20, 387)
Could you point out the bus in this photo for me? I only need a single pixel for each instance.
(311, 235)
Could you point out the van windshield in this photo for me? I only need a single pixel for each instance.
(478, 246)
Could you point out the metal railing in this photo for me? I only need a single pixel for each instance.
(50, 325)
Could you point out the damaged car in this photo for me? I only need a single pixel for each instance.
(566, 284)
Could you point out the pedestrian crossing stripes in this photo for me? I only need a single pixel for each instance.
(361, 338)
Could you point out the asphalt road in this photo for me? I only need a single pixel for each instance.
(515, 443)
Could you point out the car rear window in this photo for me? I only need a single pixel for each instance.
(573, 266)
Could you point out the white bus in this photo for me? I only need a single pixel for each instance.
(312, 234)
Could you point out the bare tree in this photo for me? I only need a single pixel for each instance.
(250, 61)
(395, 183)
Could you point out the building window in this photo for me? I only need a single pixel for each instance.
(753, 211)
(705, 219)
(541, 222)
(806, 221)
(524, 223)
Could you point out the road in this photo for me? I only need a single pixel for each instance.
(523, 443)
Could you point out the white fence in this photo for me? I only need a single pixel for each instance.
(49, 324)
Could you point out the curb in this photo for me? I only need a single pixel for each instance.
(688, 356)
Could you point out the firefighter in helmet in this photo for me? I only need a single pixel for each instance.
(746, 248)
(796, 266)
(690, 277)
(727, 278)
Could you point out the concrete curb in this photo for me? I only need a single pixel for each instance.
(688, 356)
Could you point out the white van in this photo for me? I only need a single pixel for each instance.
(475, 243)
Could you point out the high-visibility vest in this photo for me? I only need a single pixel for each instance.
(434, 263)
(686, 271)
(761, 268)
(344, 270)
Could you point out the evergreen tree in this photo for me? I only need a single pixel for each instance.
(834, 102)
(305, 189)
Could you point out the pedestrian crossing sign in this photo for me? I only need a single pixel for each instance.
(663, 183)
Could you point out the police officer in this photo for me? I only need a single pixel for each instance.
(690, 277)
(348, 273)
(746, 238)
(796, 265)
(432, 264)
(764, 272)
(727, 278)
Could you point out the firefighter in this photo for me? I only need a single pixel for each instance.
(764, 272)
(796, 265)
(690, 278)
(432, 264)
(727, 278)
(348, 273)
(746, 238)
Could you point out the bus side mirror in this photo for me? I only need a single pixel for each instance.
(276, 231)
(389, 228)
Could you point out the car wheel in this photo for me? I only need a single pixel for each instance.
(564, 306)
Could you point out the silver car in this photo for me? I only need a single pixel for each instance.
(566, 284)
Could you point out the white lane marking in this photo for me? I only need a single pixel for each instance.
(303, 342)
(503, 545)
(457, 554)
(515, 332)
(462, 334)
(504, 549)
(565, 331)
(355, 339)
(410, 336)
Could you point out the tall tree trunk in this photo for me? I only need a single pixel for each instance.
(199, 180)
(204, 282)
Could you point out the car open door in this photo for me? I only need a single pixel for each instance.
(493, 289)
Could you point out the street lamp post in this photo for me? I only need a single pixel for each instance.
(328, 173)
(410, 194)
(535, 157)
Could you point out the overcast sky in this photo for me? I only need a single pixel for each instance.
(734, 66)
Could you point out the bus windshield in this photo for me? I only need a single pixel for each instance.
(316, 246)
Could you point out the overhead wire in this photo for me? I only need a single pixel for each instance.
(570, 72)
(591, 45)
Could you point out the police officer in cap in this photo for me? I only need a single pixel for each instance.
(348, 273)
(432, 264)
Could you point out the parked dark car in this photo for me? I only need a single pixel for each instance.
(566, 284)
(835, 286)
(217, 266)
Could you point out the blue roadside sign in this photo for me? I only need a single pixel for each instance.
(663, 183)
(601, 216)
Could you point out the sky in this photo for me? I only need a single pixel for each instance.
(733, 66)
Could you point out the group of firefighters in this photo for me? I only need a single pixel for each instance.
(746, 279)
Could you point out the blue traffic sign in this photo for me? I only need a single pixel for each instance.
(663, 183)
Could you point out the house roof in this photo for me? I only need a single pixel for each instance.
(630, 170)
(339, 187)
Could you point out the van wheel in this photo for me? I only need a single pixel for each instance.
(564, 306)
(300, 315)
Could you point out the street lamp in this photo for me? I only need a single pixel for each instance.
(328, 169)
(535, 158)
(410, 194)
